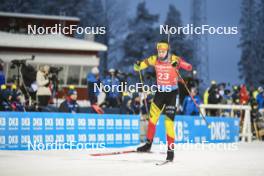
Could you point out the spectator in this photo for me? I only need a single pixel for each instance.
(260, 98)
(214, 98)
(70, 103)
(15, 99)
(244, 95)
(5, 99)
(206, 93)
(189, 108)
(254, 114)
(112, 97)
(2, 75)
(235, 95)
(134, 104)
(124, 105)
(227, 98)
(43, 82)
(92, 80)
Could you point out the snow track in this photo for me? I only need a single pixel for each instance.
(248, 159)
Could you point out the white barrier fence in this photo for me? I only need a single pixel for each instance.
(246, 133)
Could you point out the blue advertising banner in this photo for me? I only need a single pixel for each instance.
(193, 129)
(31, 130)
(44, 131)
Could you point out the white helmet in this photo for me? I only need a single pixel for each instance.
(111, 70)
(95, 71)
(260, 89)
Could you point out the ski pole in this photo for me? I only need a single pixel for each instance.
(141, 81)
(195, 103)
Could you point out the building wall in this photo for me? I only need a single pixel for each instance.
(74, 72)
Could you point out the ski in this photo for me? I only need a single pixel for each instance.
(113, 153)
(119, 153)
(163, 163)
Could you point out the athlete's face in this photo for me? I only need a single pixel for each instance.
(162, 53)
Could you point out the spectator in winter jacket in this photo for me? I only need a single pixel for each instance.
(214, 98)
(189, 108)
(134, 104)
(2, 75)
(260, 98)
(43, 82)
(4, 99)
(113, 96)
(70, 103)
(244, 95)
(235, 95)
(92, 81)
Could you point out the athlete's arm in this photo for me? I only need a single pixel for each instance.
(185, 65)
(150, 61)
(179, 63)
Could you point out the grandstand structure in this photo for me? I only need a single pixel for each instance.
(76, 56)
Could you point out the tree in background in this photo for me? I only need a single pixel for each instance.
(114, 18)
(141, 38)
(248, 64)
(179, 44)
(260, 43)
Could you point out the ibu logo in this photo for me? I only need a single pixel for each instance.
(59, 123)
(100, 123)
(127, 137)
(91, 123)
(101, 137)
(2, 140)
(119, 138)
(25, 123)
(37, 123)
(13, 140)
(82, 123)
(127, 124)
(70, 137)
(70, 123)
(60, 138)
(25, 139)
(135, 124)
(2, 122)
(110, 138)
(13, 123)
(110, 123)
(49, 123)
(37, 139)
(92, 137)
(82, 138)
(118, 123)
(135, 137)
(49, 138)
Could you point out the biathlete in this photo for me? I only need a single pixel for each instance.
(166, 66)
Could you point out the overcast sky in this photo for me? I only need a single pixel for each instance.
(223, 51)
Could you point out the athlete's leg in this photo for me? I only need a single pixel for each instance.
(170, 111)
(154, 115)
(155, 111)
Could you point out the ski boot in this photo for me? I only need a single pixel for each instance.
(146, 147)
(170, 155)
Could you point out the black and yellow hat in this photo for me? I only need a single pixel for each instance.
(162, 46)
